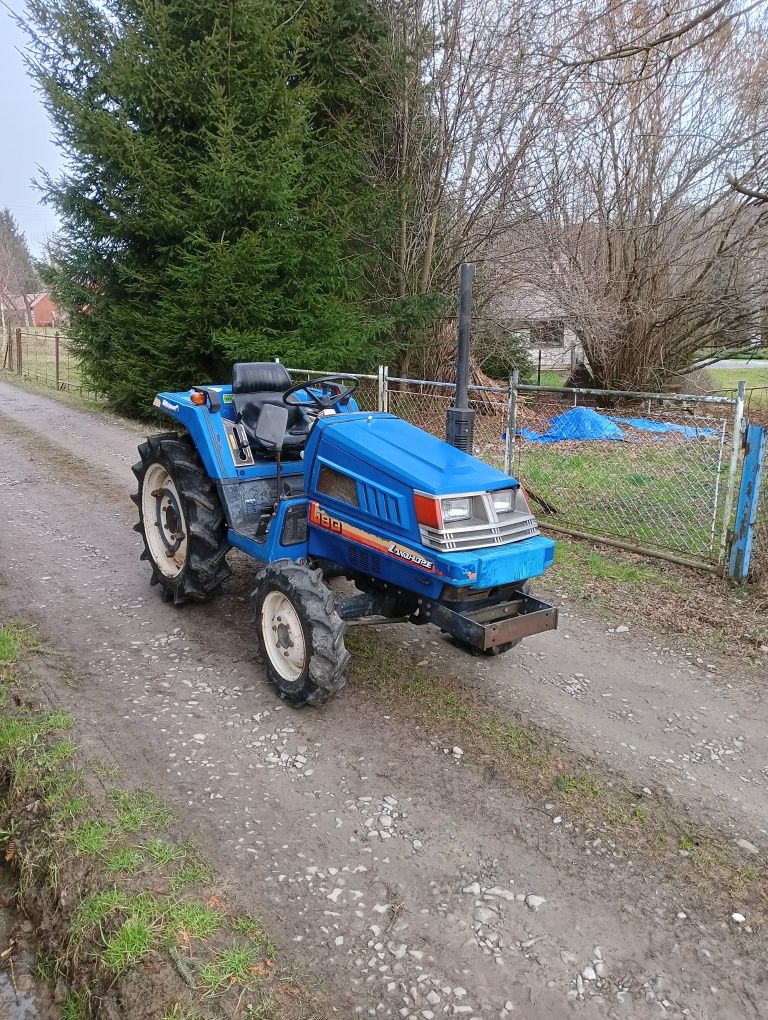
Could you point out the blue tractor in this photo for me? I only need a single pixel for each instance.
(309, 486)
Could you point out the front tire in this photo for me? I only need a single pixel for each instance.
(180, 520)
(301, 636)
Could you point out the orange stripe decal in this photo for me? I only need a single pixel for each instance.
(322, 519)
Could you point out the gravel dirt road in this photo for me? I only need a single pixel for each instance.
(399, 879)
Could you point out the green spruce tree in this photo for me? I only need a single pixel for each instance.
(216, 204)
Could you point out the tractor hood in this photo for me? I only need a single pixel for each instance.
(393, 447)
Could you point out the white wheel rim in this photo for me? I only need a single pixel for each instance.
(164, 524)
(283, 636)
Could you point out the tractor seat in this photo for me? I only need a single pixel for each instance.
(256, 383)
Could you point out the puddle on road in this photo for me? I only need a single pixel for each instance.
(16, 1004)
(22, 997)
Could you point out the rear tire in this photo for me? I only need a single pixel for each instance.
(301, 636)
(180, 520)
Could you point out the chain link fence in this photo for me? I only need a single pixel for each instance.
(654, 471)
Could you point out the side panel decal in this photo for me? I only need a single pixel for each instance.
(321, 519)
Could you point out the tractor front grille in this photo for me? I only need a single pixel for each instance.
(512, 527)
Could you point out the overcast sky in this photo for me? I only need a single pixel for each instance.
(25, 138)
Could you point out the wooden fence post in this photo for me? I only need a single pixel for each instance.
(8, 352)
(18, 351)
(56, 349)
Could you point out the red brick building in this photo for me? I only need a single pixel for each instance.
(42, 310)
(30, 310)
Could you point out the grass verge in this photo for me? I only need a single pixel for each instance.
(666, 597)
(129, 917)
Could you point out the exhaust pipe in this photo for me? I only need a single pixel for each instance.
(460, 419)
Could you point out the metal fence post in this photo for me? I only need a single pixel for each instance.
(18, 351)
(56, 353)
(509, 437)
(738, 422)
(383, 388)
(749, 499)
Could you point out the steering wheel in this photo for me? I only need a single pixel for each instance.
(345, 384)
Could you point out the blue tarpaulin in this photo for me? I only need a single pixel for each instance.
(587, 425)
(644, 425)
(578, 423)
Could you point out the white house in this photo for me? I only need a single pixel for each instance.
(537, 318)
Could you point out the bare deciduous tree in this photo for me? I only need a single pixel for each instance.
(662, 28)
(467, 108)
(17, 273)
(637, 233)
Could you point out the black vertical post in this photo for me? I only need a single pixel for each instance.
(459, 420)
(466, 275)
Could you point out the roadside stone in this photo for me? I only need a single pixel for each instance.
(589, 973)
(473, 889)
(744, 844)
(534, 902)
(501, 893)
(484, 915)
(738, 918)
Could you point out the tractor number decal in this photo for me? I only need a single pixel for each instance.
(322, 519)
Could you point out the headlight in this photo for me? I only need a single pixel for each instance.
(503, 501)
(457, 509)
